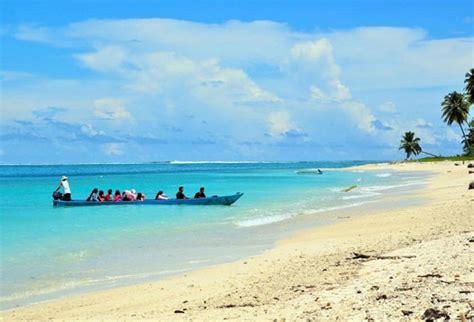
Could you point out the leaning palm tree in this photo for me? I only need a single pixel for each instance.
(410, 144)
(455, 109)
(469, 81)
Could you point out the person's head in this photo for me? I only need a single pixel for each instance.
(109, 191)
(201, 189)
(101, 193)
(180, 189)
(140, 195)
(63, 178)
(95, 190)
(117, 192)
(160, 193)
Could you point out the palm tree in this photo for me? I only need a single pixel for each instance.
(469, 140)
(469, 81)
(455, 109)
(410, 144)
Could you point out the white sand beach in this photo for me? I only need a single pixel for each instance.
(409, 263)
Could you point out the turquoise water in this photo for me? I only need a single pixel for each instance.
(49, 252)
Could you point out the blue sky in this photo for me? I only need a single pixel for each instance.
(134, 81)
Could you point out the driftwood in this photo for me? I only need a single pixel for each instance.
(365, 256)
(430, 275)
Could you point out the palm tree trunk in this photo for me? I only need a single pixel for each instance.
(433, 155)
(465, 139)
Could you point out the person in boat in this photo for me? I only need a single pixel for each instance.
(200, 194)
(66, 190)
(101, 196)
(140, 196)
(180, 194)
(117, 196)
(161, 196)
(129, 195)
(108, 196)
(93, 195)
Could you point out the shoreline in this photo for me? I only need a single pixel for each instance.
(285, 281)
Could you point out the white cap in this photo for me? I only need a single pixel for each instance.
(63, 178)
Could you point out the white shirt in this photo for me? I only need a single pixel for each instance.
(66, 186)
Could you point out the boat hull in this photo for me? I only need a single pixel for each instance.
(211, 201)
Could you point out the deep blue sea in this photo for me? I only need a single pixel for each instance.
(49, 252)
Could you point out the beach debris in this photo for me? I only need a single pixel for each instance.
(360, 256)
(431, 275)
(366, 256)
(327, 306)
(407, 312)
(433, 314)
(470, 165)
(403, 289)
(178, 311)
(381, 297)
(471, 185)
(349, 189)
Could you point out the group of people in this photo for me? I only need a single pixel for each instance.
(127, 195)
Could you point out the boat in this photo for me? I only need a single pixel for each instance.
(309, 171)
(214, 200)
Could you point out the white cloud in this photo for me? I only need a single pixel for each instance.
(388, 107)
(113, 149)
(109, 58)
(280, 123)
(89, 130)
(362, 116)
(111, 109)
(243, 79)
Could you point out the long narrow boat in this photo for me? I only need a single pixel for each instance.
(215, 200)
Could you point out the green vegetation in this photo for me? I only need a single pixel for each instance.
(452, 158)
(454, 109)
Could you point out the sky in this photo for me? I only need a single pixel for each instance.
(140, 81)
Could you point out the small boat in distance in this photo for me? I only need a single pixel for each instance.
(215, 200)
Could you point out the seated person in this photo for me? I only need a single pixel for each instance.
(101, 196)
(129, 195)
(161, 196)
(140, 196)
(108, 196)
(200, 194)
(93, 195)
(117, 196)
(180, 194)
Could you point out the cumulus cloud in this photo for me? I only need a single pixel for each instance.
(108, 58)
(241, 80)
(280, 124)
(362, 115)
(111, 109)
(421, 123)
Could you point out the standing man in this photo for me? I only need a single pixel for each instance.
(67, 191)
(200, 193)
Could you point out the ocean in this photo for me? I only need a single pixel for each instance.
(49, 252)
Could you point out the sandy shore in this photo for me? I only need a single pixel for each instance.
(410, 260)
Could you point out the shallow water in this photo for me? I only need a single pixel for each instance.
(48, 252)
